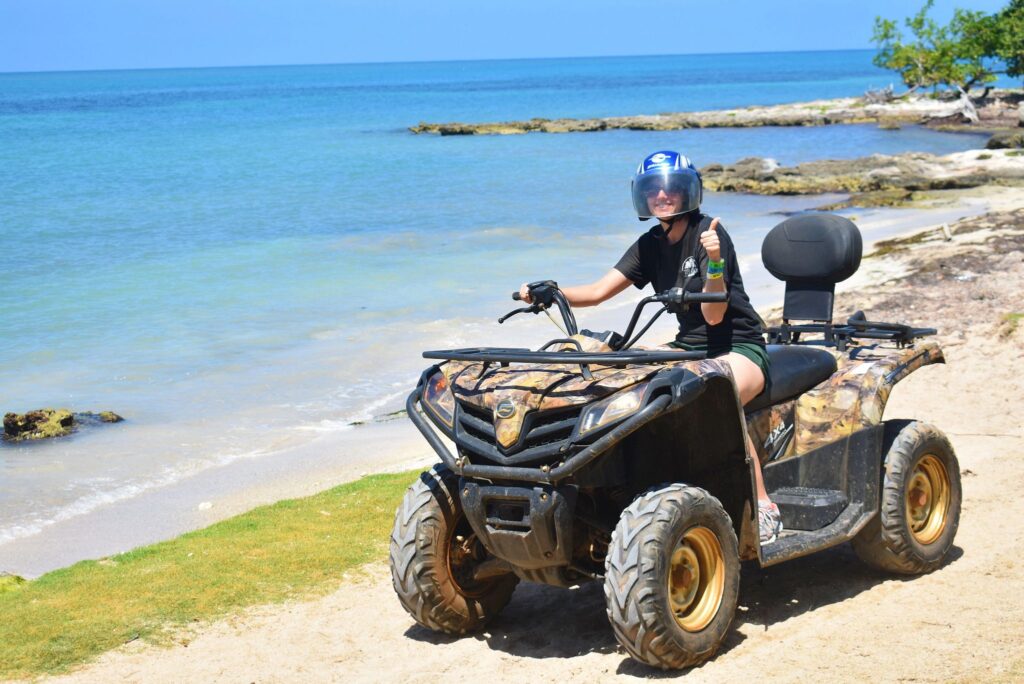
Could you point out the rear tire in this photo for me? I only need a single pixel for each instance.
(433, 554)
(919, 502)
(672, 577)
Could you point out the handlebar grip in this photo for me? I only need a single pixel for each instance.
(515, 296)
(706, 297)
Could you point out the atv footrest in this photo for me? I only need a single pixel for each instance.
(806, 508)
(795, 543)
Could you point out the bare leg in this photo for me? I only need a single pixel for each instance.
(749, 382)
(762, 495)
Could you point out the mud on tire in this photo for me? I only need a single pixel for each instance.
(919, 502)
(431, 569)
(672, 577)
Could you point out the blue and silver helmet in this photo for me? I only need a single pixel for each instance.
(666, 184)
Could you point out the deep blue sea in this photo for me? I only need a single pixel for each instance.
(228, 255)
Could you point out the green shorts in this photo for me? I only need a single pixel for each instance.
(751, 350)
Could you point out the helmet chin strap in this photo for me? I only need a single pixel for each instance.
(666, 229)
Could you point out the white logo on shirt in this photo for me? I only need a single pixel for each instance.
(689, 267)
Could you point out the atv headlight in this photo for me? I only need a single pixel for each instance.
(619, 405)
(438, 397)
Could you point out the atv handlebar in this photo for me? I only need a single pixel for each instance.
(676, 300)
(678, 295)
(544, 293)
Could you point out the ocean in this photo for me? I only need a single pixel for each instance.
(238, 259)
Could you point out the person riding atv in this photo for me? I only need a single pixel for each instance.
(691, 250)
(591, 459)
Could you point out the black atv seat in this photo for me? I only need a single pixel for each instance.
(794, 370)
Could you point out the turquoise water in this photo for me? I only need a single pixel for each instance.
(236, 254)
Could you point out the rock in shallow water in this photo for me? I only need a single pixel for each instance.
(102, 417)
(45, 423)
(1002, 140)
(38, 424)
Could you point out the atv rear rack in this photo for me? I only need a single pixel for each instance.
(857, 327)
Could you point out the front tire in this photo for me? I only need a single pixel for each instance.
(672, 577)
(920, 502)
(433, 554)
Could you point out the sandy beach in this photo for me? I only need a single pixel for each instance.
(958, 623)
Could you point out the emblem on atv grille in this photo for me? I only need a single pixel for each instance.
(505, 409)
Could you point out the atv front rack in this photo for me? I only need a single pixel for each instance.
(505, 356)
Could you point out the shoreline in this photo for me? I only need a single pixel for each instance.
(389, 445)
(997, 111)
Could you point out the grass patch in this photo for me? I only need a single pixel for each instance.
(10, 582)
(1009, 324)
(883, 247)
(874, 198)
(1015, 673)
(293, 548)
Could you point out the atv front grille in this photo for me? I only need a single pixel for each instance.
(545, 435)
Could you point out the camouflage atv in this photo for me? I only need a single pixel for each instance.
(588, 460)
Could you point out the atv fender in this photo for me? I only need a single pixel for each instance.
(855, 396)
(700, 440)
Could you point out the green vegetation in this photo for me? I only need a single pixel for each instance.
(1009, 40)
(960, 55)
(1009, 324)
(10, 582)
(885, 247)
(291, 549)
(876, 198)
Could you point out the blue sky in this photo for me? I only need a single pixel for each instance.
(39, 35)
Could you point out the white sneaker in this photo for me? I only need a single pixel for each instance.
(769, 522)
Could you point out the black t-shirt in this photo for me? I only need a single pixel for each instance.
(651, 259)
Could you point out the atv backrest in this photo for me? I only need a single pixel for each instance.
(812, 252)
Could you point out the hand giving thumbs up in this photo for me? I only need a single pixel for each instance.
(709, 240)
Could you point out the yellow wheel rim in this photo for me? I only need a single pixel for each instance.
(927, 499)
(696, 579)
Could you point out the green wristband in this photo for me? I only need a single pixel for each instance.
(716, 265)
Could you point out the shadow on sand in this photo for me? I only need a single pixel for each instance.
(547, 622)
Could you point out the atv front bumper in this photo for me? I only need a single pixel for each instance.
(529, 527)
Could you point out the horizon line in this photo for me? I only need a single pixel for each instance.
(424, 61)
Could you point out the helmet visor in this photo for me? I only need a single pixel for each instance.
(666, 193)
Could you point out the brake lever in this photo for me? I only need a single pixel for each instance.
(533, 308)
